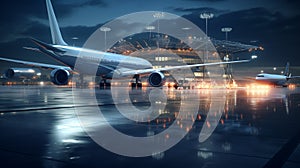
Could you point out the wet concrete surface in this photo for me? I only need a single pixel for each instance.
(41, 126)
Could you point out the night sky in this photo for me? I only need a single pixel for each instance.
(274, 24)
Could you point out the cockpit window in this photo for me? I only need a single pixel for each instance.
(260, 75)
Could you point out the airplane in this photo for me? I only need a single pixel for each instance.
(132, 67)
(276, 79)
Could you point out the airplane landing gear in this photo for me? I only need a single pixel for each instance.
(137, 83)
(104, 84)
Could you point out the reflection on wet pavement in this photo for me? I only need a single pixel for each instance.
(40, 126)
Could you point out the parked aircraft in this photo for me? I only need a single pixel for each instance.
(110, 63)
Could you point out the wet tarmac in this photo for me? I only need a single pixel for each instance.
(48, 126)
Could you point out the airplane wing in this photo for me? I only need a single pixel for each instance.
(145, 71)
(36, 64)
(294, 77)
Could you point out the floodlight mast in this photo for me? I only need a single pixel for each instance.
(226, 30)
(206, 16)
(150, 28)
(105, 29)
(74, 39)
(158, 16)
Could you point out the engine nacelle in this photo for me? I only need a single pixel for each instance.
(156, 79)
(60, 76)
(22, 73)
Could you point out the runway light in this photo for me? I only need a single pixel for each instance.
(199, 117)
(222, 121)
(208, 124)
(292, 86)
(71, 141)
(232, 85)
(187, 129)
(91, 84)
(258, 89)
(253, 56)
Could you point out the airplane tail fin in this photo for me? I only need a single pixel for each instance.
(55, 31)
(287, 69)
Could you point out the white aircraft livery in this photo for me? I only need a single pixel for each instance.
(276, 79)
(132, 67)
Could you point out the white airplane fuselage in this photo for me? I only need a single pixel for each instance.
(104, 61)
(274, 79)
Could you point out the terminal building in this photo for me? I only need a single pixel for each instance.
(163, 51)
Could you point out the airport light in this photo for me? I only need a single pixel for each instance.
(150, 28)
(206, 16)
(158, 15)
(186, 28)
(226, 30)
(105, 29)
(254, 57)
(74, 38)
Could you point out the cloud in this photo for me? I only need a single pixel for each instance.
(201, 10)
(65, 7)
(274, 31)
(212, 1)
(18, 16)
(95, 3)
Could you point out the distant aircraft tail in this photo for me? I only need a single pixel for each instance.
(55, 31)
(287, 69)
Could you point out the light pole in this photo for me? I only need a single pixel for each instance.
(105, 29)
(186, 29)
(74, 39)
(206, 16)
(150, 28)
(158, 15)
(226, 30)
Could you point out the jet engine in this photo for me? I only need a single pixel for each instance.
(156, 79)
(22, 73)
(60, 76)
